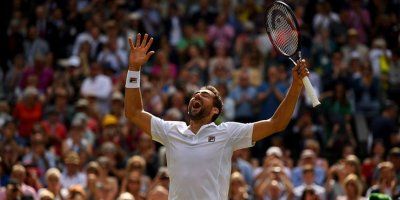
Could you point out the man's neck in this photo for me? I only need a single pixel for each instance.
(195, 125)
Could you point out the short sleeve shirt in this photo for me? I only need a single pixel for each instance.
(200, 164)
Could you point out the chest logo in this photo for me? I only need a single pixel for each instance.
(211, 138)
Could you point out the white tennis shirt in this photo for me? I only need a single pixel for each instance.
(200, 164)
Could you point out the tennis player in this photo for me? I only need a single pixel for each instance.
(199, 154)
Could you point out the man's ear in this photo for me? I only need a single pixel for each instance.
(215, 110)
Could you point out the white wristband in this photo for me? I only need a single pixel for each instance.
(132, 79)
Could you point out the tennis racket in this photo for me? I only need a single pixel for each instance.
(284, 33)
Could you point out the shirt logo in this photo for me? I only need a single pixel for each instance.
(132, 80)
(211, 138)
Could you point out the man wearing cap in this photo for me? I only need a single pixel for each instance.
(307, 157)
(308, 182)
(72, 175)
(353, 45)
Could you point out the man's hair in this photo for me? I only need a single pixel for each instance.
(217, 100)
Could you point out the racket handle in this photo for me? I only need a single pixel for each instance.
(310, 91)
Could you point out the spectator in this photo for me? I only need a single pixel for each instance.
(270, 93)
(353, 188)
(151, 18)
(359, 19)
(45, 194)
(309, 194)
(243, 95)
(38, 75)
(38, 156)
(366, 92)
(308, 158)
(380, 57)
(384, 126)
(53, 178)
(28, 111)
(274, 184)
(106, 185)
(54, 130)
(132, 185)
(77, 140)
(309, 177)
(71, 174)
(13, 77)
(243, 167)
(98, 86)
(354, 44)
(386, 182)
(93, 36)
(113, 58)
(34, 45)
(325, 17)
(19, 174)
(376, 155)
(238, 188)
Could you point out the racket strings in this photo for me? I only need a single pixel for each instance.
(282, 29)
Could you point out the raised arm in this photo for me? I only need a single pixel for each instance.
(133, 98)
(282, 115)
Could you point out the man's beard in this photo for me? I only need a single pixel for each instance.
(198, 115)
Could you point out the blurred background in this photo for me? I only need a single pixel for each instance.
(63, 67)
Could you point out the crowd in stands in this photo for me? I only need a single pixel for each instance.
(63, 131)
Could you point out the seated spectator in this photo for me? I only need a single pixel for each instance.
(273, 183)
(384, 125)
(366, 92)
(39, 156)
(71, 174)
(309, 177)
(334, 181)
(76, 192)
(18, 174)
(309, 194)
(53, 178)
(13, 190)
(112, 58)
(158, 193)
(45, 194)
(353, 188)
(106, 185)
(27, 112)
(97, 86)
(308, 158)
(386, 181)
(238, 189)
(34, 45)
(77, 140)
(376, 155)
(354, 45)
(138, 163)
(244, 95)
(39, 75)
(132, 185)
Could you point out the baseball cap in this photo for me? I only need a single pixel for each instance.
(126, 196)
(395, 151)
(307, 153)
(117, 96)
(276, 151)
(109, 120)
(72, 158)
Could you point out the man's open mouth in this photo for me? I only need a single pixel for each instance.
(196, 105)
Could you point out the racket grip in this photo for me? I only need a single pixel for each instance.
(310, 91)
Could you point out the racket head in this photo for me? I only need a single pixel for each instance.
(282, 28)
